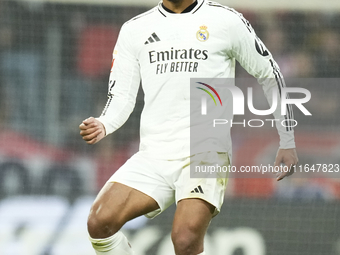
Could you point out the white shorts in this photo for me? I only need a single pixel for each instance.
(168, 181)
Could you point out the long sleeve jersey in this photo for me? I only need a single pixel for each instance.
(162, 51)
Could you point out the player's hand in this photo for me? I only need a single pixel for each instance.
(92, 130)
(287, 157)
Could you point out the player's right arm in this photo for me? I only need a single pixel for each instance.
(122, 91)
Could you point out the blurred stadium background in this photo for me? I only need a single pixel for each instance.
(55, 57)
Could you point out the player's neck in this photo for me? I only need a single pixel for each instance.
(177, 6)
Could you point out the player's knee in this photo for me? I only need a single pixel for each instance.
(102, 225)
(186, 241)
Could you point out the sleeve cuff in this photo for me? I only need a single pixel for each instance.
(287, 140)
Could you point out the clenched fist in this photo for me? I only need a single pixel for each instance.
(92, 130)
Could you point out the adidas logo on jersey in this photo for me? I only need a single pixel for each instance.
(152, 39)
(197, 190)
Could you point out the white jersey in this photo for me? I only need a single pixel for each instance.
(164, 50)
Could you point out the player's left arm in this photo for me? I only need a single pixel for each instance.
(252, 54)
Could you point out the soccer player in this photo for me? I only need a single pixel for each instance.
(163, 48)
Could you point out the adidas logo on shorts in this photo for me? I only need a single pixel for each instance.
(197, 190)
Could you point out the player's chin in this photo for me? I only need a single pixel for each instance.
(175, 1)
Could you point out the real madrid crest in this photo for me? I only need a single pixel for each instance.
(202, 34)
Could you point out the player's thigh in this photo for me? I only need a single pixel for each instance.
(117, 203)
(193, 214)
(191, 221)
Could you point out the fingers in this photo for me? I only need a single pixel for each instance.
(91, 130)
(82, 126)
(93, 138)
(286, 170)
(90, 134)
(89, 120)
(283, 174)
(277, 164)
(87, 128)
(287, 157)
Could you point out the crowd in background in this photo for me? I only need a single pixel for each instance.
(305, 45)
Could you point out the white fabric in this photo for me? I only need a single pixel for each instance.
(166, 63)
(116, 244)
(168, 181)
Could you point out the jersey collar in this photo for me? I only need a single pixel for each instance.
(190, 10)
